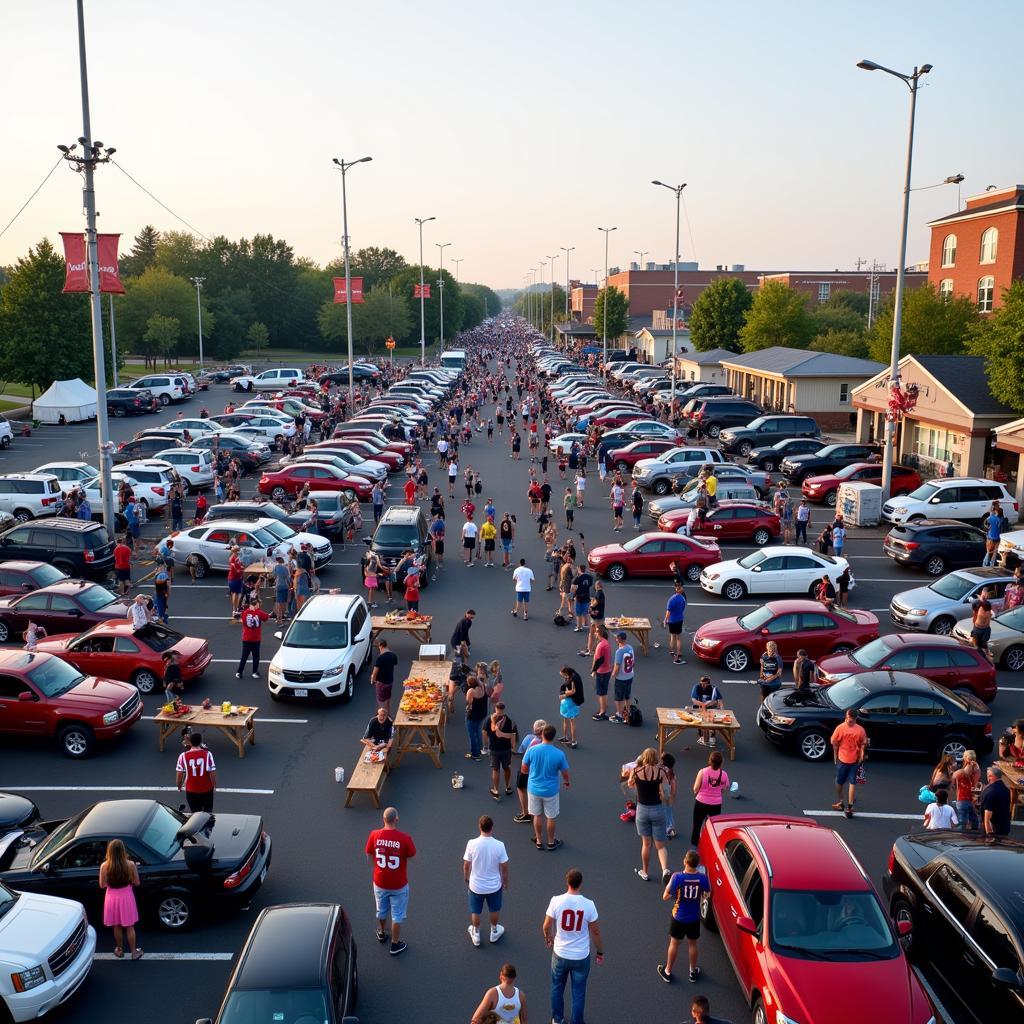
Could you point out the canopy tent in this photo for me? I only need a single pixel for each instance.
(72, 399)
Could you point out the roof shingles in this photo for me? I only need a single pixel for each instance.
(801, 362)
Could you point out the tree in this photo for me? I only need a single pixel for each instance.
(160, 337)
(717, 315)
(381, 315)
(473, 310)
(839, 318)
(932, 325)
(258, 335)
(232, 311)
(266, 265)
(157, 290)
(374, 265)
(142, 254)
(402, 285)
(846, 299)
(778, 316)
(999, 338)
(489, 297)
(842, 343)
(181, 253)
(618, 312)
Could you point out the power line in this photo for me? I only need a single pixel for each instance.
(689, 231)
(134, 181)
(31, 197)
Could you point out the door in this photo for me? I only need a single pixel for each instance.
(720, 523)
(801, 572)
(769, 577)
(937, 664)
(215, 548)
(92, 655)
(927, 722)
(783, 630)
(16, 542)
(880, 716)
(31, 606)
(727, 900)
(966, 546)
(359, 631)
(819, 634)
(75, 874)
(947, 504)
(678, 551)
(994, 943)
(65, 615)
(17, 716)
(944, 927)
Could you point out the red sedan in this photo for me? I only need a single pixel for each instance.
(826, 488)
(287, 482)
(729, 520)
(943, 659)
(59, 607)
(403, 448)
(114, 650)
(617, 419)
(626, 458)
(364, 449)
(738, 643)
(651, 554)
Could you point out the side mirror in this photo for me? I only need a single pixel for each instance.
(904, 928)
(764, 632)
(26, 695)
(1006, 978)
(46, 868)
(279, 635)
(757, 568)
(746, 924)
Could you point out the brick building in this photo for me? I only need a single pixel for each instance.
(978, 251)
(819, 286)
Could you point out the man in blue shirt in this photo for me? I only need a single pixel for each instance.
(675, 614)
(684, 889)
(543, 763)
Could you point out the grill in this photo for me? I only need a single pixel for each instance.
(127, 709)
(302, 677)
(66, 953)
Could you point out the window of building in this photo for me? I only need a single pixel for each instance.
(844, 394)
(824, 291)
(934, 444)
(986, 291)
(946, 289)
(949, 251)
(989, 245)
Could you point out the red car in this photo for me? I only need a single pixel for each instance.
(626, 458)
(729, 520)
(826, 488)
(651, 554)
(41, 695)
(364, 449)
(287, 482)
(802, 924)
(347, 430)
(60, 607)
(738, 643)
(115, 651)
(19, 577)
(942, 659)
(617, 419)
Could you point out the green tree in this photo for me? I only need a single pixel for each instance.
(381, 315)
(402, 285)
(160, 336)
(931, 325)
(778, 316)
(157, 290)
(375, 265)
(473, 310)
(717, 315)
(258, 336)
(181, 253)
(266, 265)
(842, 343)
(999, 338)
(618, 312)
(837, 319)
(142, 254)
(232, 312)
(489, 297)
(846, 299)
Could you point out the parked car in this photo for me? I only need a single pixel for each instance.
(956, 902)
(143, 448)
(900, 711)
(791, 570)
(967, 499)
(1006, 644)
(734, 520)
(765, 430)
(343, 459)
(165, 388)
(659, 473)
(734, 484)
(825, 488)
(802, 925)
(29, 495)
(274, 427)
(76, 547)
(712, 415)
(650, 554)
(195, 425)
(938, 658)
(268, 380)
(60, 608)
(1011, 549)
(738, 643)
(937, 607)
(18, 576)
(68, 472)
(562, 444)
(770, 458)
(250, 452)
(187, 864)
(286, 482)
(130, 402)
(360, 448)
(934, 545)
(403, 528)
(625, 458)
(155, 478)
(360, 371)
(335, 513)
(193, 465)
(796, 468)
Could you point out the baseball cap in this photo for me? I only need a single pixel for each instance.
(620, 635)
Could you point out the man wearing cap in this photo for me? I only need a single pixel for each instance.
(622, 674)
(995, 804)
(803, 520)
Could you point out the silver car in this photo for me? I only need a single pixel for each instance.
(938, 607)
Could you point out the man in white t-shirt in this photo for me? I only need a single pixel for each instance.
(523, 579)
(485, 867)
(570, 924)
(469, 532)
(453, 475)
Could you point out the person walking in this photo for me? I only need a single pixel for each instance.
(637, 501)
(507, 533)
(709, 787)
(571, 932)
(485, 869)
(601, 673)
(522, 778)
(684, 891)
(623, 668)
(582, 584)
(570, 699)
(377, 499)
(504, 1003)
(196, 773)
(252, 633)
(675, 615)
(647, 776)
(488, 534)
(161, 592)
(522, 577)
(389, 851)
(849, 745)
(500, 733)
(118, 878)
(569, 505)
(544, 763)
(469, 535)
(383, 674)
(123, 566)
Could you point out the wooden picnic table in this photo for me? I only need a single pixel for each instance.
(239, 728)
(671, 724)
(416, 628)
(423, 732)
(639, 629)
(1014, 779)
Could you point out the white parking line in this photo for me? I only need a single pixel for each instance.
(874, 814)
(131, 789)
(170, 956)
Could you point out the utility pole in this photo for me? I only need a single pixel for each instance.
(441, 246)
(678, 190)
(860, 262)
(604, 318)
(423, 329)
(553, 258)
(641, 253)
(198, 282)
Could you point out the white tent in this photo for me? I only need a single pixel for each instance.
(73, 399)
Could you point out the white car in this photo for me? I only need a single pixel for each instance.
(323, 650)
(771, 571)
(272, 425)
(197, 426)
(965, 498)
(562, 444)
(193, 465)
(46, 950)
(165, 387)
(154, 478)
(6, 433)
(69, 472)
(269, 380)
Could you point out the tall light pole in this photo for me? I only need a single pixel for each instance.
(641, 253)
(198, 282)
(567, 250)
(423, 321)
(113, 339)
(604, 318)
(457, 262)
(552, 259)
(441, 246)
(911, 81)
(540, 298)
(343, 166)
(678, 189)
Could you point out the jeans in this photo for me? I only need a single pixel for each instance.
(250, 647)
(577, 972)
(474, 729)
(801, 531)
(967, 813)
(161, 606)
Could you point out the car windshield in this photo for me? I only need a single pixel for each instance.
(754, 558)
(92, 598)
(54, 677)
(844, 694)
(317, 633)
(160, 832)
(158, 638)
(954, 586)
(756, 619)
(1014, 619)
(279, 530)
(44, 575)
(924, 492)
(393, 536)
(279, 1006)
(871, 654)
(7, 899)
(264, 539)
(830, 925)
(634, 543)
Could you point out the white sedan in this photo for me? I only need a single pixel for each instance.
(562, 444)
(195, 425)
(771, 571)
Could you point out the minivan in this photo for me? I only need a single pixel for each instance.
(766, 430)
(965, 498)
(403, 528)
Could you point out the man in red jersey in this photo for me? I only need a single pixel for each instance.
(388, 850)
(197, 773)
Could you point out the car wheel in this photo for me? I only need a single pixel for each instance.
(744, 449)
(174, 910)
(707, 912)
(760, 1016)
(1013, 659)
(616, 572)
(813, 745)
(761, 537)
(953, 746)
(902, 911)
(942, 626)
(935, 565)
(831, 498)
(279, 494)
(734, 590)
(118, 411)
(768, 465)
(621, 466)
(713, 430)
(693, 573)
(350, 686)
(5, 632)
(661, 487)
(198, 566)
(76, 740)
(144, 680)
(736, 659)
(22, 515)
(165, 400)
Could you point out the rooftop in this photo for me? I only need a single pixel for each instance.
(965, 377)
(801, 362)
(715, 355)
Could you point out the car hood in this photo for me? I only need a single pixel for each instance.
(648, 465)
(306, 659)
(669, 503)
(823, 478)
(603, 551)
(95, 692)
(57, 643)
(800, 460)
(722, 629)
(925, 597)
(838, 665)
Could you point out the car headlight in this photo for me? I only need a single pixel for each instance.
(111, 717)
(329, 673)
(836, 677)
(25, 980)
(709, 575)
(706, 643)
(781, 1018)
(275, 672)
(920, 612)
(899, 510)
(783, 720)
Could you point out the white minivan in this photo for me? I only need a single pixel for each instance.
(166, 388)
(965, 498)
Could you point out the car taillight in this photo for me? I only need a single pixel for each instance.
(48, 501)
(988, 728)
(768, 480)
(158, 490)
(90, 556)
(234, 880)
(910, 545)
(892, 859)
(196, 469)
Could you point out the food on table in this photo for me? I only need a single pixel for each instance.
(420, 696)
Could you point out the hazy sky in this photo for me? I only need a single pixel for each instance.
(521, 127)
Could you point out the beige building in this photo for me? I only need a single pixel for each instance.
(655, 346)
(703, 367)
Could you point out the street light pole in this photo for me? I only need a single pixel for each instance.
(441, 246)
(113, 339)
(568, 250)
(911, 81)
(198, 282)
(552, 259)
(540, 298)
(604, 318)
(642, 253)
(457, 262)
(423, 322)
(678, 189)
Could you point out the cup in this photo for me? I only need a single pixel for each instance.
(339, 774)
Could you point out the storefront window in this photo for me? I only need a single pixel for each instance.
(934, 444)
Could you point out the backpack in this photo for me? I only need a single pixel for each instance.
(560, 619)
(478, 487)
(634, 716)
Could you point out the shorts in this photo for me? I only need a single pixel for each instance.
(280, 595)
(395, 901)
(618, 510)
(684, 929)
(650, 821)
(506, 546)
(370, 582)
(675, 628)
(623, 688)
(123, 574)
(469, 543)
(501, 759)
(235, 586)
(438, 547)
(546, 805)
(477, 901)
(383, 692)
(582, 607)
(845, 773)
(980, 635)
(488, 545)
(523, 595)
(522, 780)
(601, 680)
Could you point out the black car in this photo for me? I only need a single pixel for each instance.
(770, 458)
(251, 455)
(710, 416)
(901, 712)
(403, 528)
(144, 447)
(76, 547)
(16, 812)
(360, 371)
(827, 460)
(764, 430)
(298, 966)
(129, 402)
(335, 513)
(935, 545)
(961, 896)
(185, 862)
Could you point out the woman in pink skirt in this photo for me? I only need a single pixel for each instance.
(118, 876)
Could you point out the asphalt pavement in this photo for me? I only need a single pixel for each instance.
(288, 778)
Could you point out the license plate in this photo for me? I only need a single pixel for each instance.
(302, 693)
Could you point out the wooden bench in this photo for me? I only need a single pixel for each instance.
(367, 778)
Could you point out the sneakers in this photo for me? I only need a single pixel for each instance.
(474, 935)
(617, 719)
(382, 936)
(703, 742)
(694, 973)
(599, 717)
(497, 931)
(642, 875)
(555, 845)
(399, 947)
(495, 794)
(523, 819)
(664, 975)
(238, 675)
(665, 876)
(255, 675)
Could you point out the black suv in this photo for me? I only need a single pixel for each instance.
(960, 897)
(360, 371)
(935, 545)
(770, 458)
(298, 964)
(711, 416)
(143, 448)
(403, 528)
(766, 430)
(796, 468)
(128, 402)
(74, 546)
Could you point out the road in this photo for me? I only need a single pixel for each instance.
(288, 777)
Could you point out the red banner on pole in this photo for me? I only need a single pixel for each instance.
(110, 276)
(339, 290)
(421, 291)
(76, 274)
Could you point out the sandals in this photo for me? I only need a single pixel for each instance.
(118, 952)
(137, 955)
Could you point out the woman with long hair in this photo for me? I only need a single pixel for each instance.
(708, 789)
(647, 776)
(118, 876)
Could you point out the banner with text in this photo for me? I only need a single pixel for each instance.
(421, 291)
(76, 273)
(110, 276)
(339, 290)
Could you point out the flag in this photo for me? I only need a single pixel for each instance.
(110, 277)
(339, 290)
(421, 291)
(76, 275)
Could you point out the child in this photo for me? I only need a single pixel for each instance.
(173, 684)
(940, 814)
(581, 486)
(201, 506)
(668, 762)
(32, 635)
(562, 463)
(412, 592)
(569, 694)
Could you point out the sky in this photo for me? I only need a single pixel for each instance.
(521, 127)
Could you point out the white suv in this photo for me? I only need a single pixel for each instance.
(156, 478)
(323, 650)
(166, 388)
(965, 498)
(193, 465)
(29, 495)
(269, 380)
